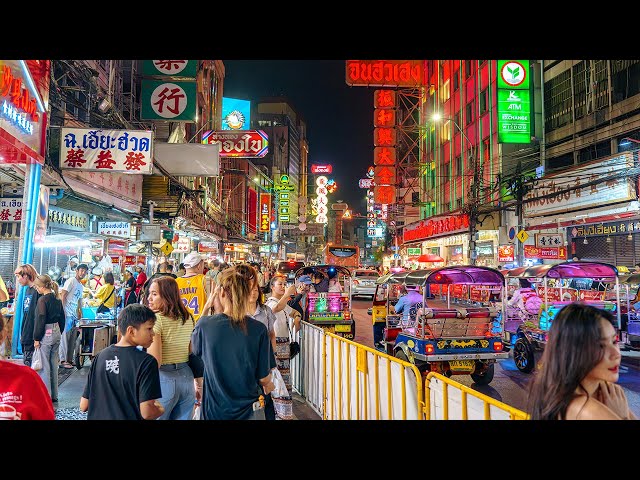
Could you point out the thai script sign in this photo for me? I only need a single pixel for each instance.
(208, 247)
(436, 227)
(542, 253)
(567, 191)
(612, 228)
(239, 143)
(265, 212)
(10, 209)
(115, 229)
(557, 294)
(385, 73)
(83, 149)
(506, 253)
(321, 168)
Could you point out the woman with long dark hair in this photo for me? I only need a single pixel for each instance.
(236, 352)
(171, 346)
(47, 331)
(579, 368)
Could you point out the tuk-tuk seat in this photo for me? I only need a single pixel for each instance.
(441, 313)
(481, 312)
(390, 333)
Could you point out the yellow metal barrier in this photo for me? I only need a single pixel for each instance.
(356, 388)
(344, 380)
(483, 408)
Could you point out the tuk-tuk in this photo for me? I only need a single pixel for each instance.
(462, 338)
(554, 287)
(629, 315)
(387, 295)
(329, 310)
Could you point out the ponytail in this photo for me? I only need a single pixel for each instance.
(45, 281)
(238, 288)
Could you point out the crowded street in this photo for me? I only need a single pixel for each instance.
(466, 247)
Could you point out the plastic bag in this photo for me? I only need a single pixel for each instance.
(36, 359)
(282, 401)
(196, 413)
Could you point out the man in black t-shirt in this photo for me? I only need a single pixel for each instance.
(124, 381)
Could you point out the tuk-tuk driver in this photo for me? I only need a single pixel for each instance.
(320, 283)
(406, 302)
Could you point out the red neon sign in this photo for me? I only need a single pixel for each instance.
(385, 73)
(321, 168)
(12, 87)
(436, 227)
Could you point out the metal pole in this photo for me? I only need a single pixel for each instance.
(151, 204)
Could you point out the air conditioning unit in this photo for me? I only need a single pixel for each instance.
(12, 191)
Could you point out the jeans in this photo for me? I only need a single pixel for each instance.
(178, 392)
(49, 350)
(66, 349)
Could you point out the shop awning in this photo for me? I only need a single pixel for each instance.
(89, 207)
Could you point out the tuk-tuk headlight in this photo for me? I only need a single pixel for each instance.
(429, 348)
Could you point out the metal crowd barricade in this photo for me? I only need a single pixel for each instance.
(343, 380)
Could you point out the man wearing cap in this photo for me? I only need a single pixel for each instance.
(70, 269)
(71, 296)
(194, 289)
(97, 281)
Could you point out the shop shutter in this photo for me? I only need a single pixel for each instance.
(597, 250)
(625, 253)
(8, 260)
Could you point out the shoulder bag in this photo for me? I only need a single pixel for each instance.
(102, 308)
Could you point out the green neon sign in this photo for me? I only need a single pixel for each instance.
(514, 116)
(514, 102)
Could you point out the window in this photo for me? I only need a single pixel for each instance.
(445, 133)
(456, 80)
(458, 117)
(445, 92)
(459, 165)
(484, 101)
(467, 68)
(469, 112)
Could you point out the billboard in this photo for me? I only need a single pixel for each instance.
(236, 114)
(514, 102)
(239, 143)
(385, 73)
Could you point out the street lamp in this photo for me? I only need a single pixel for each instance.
(474, 201)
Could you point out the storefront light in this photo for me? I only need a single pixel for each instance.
(67, 243)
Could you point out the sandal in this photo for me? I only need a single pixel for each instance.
(66, 365)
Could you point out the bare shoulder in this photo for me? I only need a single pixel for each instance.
(588, 408)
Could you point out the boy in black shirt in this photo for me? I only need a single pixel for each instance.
(124, 381)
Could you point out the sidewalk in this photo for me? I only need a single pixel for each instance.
(72, 384)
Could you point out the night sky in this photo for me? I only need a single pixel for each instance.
(339, 118)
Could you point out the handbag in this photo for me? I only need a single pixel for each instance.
(36, 359)
(102, 308)
(294, 347)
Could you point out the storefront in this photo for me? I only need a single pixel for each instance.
(446, 236)
(590, 212)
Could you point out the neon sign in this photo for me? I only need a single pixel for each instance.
(19, 119)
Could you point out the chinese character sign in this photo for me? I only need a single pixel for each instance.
(170, 68)
(11, 209)
(116, 229)
(127, 151)
(175, 100)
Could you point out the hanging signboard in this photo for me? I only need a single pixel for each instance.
(385, 73)
(10, 209)
(173, 100)
(506, 253)
(239, 143)
(83, 149)
(170, 68)
(115, 229)
(542, 253)
(514, 103)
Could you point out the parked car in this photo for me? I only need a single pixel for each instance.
(364, 282)
(289, 269)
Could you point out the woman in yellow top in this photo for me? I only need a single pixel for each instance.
(171, 346)
(107, 292)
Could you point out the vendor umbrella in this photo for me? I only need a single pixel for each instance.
(430, 258)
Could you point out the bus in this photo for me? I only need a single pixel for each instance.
(343, 255)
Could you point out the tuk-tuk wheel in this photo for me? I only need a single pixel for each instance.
(401, 355)
(485, 376)
(78, 358)
(523, 356)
